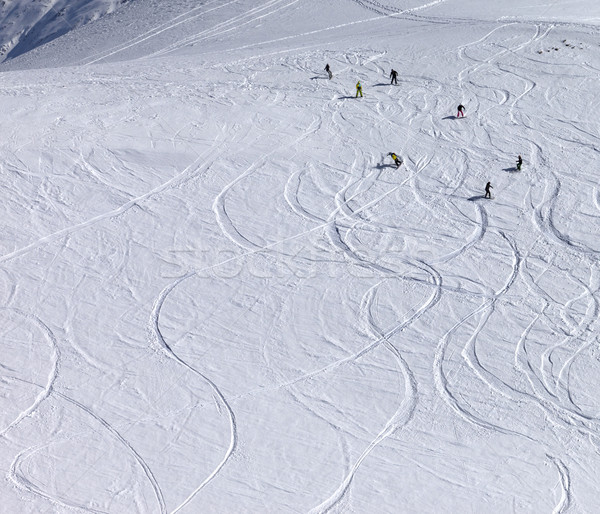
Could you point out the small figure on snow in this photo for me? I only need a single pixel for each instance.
(488, 193)
(358, 89)
(328, 70)
(519, 163)
(394, 77)
(397, 159)
(461, 111)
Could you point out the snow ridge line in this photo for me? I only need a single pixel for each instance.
(343, 25)
(158, 340)
(380, 8)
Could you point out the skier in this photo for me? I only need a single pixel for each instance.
(397, 159)
(358, 89)
(461, 111)
(488, 193)
(328, 70)
(519, 163)
(394, 77)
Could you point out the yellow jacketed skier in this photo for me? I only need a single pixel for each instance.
(397, 160)
(358, 89)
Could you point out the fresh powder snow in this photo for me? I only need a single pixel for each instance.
(221, 295)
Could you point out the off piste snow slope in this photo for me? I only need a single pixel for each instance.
(220, 295)
(27, 24)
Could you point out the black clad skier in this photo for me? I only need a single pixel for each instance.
(488, 193)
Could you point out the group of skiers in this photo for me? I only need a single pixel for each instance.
(459, 114)
(488, 186)
(393, 76)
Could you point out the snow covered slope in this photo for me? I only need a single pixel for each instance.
(219, 295)
(27, 24)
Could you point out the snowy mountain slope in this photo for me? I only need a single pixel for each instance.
(147, 28)
(221, 296)
(25, 25)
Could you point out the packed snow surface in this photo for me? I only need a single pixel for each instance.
(220, 295)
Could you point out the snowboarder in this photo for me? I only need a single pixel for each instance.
(488, 193)
(461, 111)
(519, 163)
(394, 77)
(397, 159)
(328, 70)
(358, 89)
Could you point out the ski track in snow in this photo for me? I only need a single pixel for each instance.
(52, 376)
(401, 417)
(226, 225)
(188, 16)
(158, 339)
(442, 379)
(345, 212)
(232, 24)
(565, 485)
(55, 236)
(18, 476)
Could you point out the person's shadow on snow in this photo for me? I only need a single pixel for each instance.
(347, 97)
(384, 166)
(510, 169)
(476, 197)
(451, 117)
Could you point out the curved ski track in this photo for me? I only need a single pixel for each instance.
(159, 340)
(18, 477)
(352, 211)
